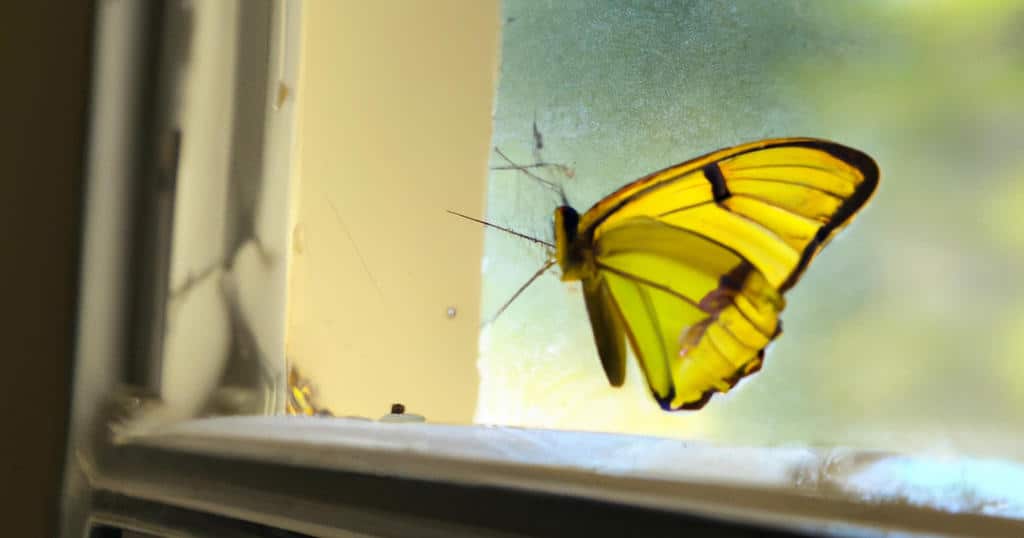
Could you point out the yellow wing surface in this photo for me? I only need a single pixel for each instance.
(691, 263)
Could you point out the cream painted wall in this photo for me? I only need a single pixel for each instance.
(394, 124)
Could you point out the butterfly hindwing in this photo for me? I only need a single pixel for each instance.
(656, 275)
(696, 314)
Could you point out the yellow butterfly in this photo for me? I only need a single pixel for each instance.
(690, 263)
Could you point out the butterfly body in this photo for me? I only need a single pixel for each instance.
(575, 258)
(690, 263)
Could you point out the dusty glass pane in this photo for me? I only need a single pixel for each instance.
(904, 334)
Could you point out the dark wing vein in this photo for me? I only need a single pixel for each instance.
(697, 233)
(655, 285)
(772, 204)
(762, 226)
(711, 341)
(789, 165)
(746, 317)
(786, 182)
(652, 317)
(685, 208)
(732, 334)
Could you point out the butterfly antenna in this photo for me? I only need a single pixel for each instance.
(506, 230)
(547, 265)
